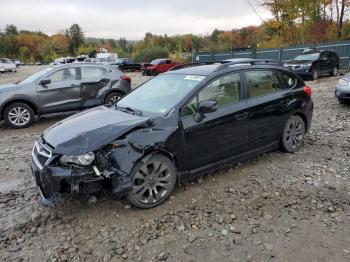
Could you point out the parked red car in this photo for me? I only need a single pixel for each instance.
(159, 66)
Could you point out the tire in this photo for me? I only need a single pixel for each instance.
(334, 71)
(152, 182)
(19, 115)
(113, 97)
(315, 74)
(293, 134)
(342, 101)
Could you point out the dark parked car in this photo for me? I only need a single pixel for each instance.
(62, 88)
(176, 126)
(313, 63)
(127, 64)
(342, 91)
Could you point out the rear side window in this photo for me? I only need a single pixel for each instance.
(262, 83)
(92, 72)
(63, 75)
(288, 80)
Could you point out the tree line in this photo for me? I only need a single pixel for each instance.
(293, 22)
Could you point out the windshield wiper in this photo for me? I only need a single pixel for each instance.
(129, 110)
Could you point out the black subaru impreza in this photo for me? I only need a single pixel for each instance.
(176, 126)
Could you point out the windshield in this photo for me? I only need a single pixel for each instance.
(36, 76)
(307, 57)
(155, 62)
(160, 94)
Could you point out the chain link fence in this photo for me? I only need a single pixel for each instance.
(283, 54)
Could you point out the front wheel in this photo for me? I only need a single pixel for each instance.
(293, 134)
(334, 71)
(152, 182)
(19, 115)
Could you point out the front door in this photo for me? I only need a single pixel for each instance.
(220, 134)
(62, 93)
(325, 63)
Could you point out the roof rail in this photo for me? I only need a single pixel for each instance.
(248, 62)
(177, 67)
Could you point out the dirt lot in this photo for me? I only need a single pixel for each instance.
(276, 207)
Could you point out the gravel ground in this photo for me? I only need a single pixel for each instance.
(276, 207)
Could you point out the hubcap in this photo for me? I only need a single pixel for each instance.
(152, 182)
(315, 74)
(295, 133)
(19, 116)
(335, 72)
(114, 99)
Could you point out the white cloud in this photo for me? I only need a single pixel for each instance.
(131, 19)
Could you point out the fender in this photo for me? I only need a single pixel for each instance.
(20, 98)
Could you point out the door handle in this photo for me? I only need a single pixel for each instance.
(73, 85)
(242, 116)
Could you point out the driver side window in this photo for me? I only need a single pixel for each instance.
(63, 75)
(224, 90)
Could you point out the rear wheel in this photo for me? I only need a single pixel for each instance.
(113, 97)
(19, 115)
(152, 182)
(293, 134)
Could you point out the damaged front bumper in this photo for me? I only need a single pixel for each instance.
(52, 178)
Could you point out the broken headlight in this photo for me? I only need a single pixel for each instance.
(83, 160)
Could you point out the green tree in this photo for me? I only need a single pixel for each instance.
(11, 30)
(75, 37)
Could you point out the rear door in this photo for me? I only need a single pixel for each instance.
(63, 92)
(220, 134)
(94, 82)
(268, 100)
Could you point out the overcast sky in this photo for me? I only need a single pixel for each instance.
(129, 18)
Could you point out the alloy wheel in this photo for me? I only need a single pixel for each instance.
(335, 71)
(294, 134)
(19, 116)
(114, 99)
(151, 182)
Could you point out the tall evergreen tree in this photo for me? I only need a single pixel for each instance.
(76, 37)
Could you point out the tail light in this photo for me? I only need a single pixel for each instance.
(307, 90)
(126, 78)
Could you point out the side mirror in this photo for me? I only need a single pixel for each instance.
(205, 107)
(45, 82)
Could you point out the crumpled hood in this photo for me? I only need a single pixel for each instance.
(90, 130)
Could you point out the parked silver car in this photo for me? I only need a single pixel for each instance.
(342, 91)
(7, 65)
(61, 88)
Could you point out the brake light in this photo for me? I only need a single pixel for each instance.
(307, 90)
(126, 78)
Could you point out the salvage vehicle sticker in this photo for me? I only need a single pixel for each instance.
(194, 78)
